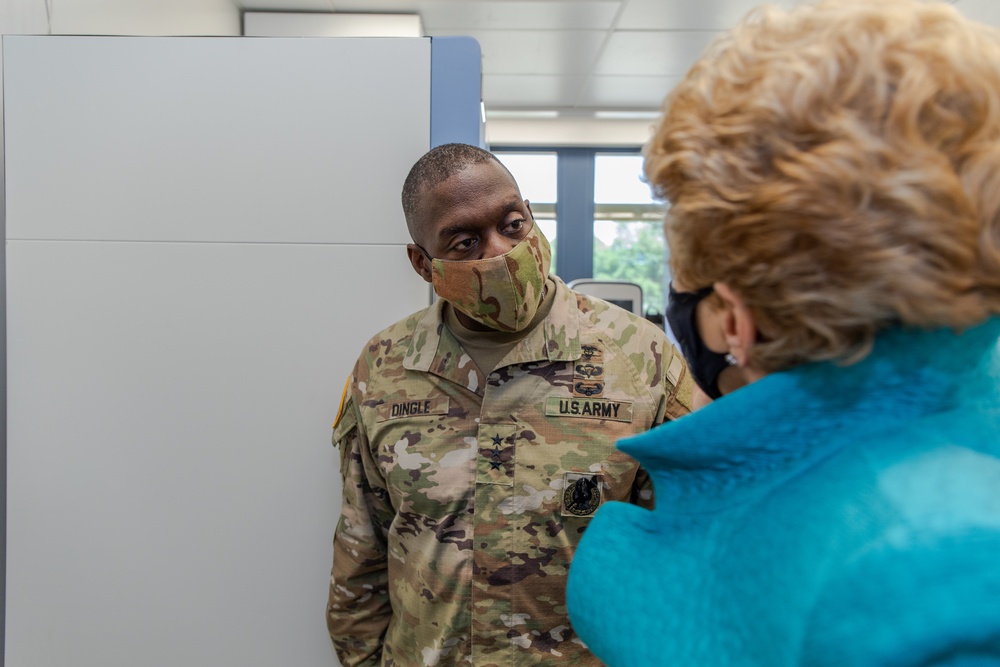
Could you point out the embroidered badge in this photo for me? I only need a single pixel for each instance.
(582, 495)
(588, 372)
(588, 388)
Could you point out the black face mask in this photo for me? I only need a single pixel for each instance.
(704, 364)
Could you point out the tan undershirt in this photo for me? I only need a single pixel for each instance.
(487, 348)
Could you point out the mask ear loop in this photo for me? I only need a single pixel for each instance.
(430, 260)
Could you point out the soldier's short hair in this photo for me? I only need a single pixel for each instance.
(435, 166)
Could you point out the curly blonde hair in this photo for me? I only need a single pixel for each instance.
(838, 166)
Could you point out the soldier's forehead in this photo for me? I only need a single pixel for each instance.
(471, 180)
(469, 197)
(473, 219)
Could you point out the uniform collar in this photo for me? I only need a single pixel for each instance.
(557, 338)
(433, 348)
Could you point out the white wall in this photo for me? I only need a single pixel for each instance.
(201, 235)
(16, 16)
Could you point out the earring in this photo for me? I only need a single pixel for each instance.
(731, 360)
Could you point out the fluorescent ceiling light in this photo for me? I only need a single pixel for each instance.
(287, 24)
(626, 115)
(521, 115)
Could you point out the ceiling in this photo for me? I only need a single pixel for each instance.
(555, 72)
(575, 58)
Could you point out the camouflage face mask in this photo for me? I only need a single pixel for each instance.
(502, 292)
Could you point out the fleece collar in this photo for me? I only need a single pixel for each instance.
(783, 422)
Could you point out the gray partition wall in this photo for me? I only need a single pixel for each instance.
(201, 235)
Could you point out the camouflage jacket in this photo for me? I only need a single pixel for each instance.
(465, 495)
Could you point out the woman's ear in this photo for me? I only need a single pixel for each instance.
(739, 329)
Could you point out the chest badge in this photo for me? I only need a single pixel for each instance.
(588, 372)
(582, 495)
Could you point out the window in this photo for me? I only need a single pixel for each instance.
(628, 228)
(535, 174)
(596, 204)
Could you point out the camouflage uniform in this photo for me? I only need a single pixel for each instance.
(465, 495)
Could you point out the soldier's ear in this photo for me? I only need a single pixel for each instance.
(419, 262)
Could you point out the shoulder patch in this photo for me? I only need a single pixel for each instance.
(675, 368)
(346, 424)
(683, 394)
(343, 401)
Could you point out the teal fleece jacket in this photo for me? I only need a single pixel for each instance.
(825, 515)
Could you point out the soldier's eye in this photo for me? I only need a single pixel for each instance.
(514, 226)
(464, 245)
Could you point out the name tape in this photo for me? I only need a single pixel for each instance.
(589, 408)
(419, 408)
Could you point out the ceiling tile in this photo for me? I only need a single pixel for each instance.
(531, 92)
(535, 51)
(686, 14)
(632, 92)
(641, 53)
(519, 15)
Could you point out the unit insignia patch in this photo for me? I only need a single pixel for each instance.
(583, 493)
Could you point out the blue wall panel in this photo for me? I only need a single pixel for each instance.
(456, 87)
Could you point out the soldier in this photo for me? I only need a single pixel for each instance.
(477, 437)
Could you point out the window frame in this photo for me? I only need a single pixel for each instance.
(575, 210)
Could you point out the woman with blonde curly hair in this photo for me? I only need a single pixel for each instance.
(833, 174)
